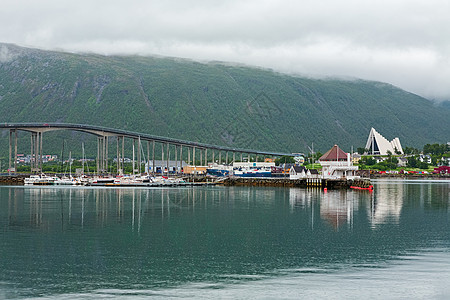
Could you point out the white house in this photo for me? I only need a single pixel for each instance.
(300, 172)
(297, 172)
(402, 162)
(425, 158)
(337, 164)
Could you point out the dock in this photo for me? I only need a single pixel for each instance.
(331, 184)
(154, 184)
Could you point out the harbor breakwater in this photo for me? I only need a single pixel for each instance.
(12, 179)
(302, 183)
(243, 181)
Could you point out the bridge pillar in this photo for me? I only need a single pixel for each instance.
(162, 158)
(167, 159)
(176, 159)
(133, 162)
(98, 156)
(123, 155)
(36, 152)
(117, 155)
(148, 157)
(189, 156)
(139, 157)
(12, 139)
(226, 159)
(105, 153)
(40, 150)
(193, 156)
(32, 151)
(181, 158)
(153, 158)
(206, 156)
(213, 152)
(102, 154)
(120, 155)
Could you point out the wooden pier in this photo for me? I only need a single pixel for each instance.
(229, 181)
(303, 183)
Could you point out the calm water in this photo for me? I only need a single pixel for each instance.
(219, 242)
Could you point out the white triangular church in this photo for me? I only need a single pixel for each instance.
(379, 145)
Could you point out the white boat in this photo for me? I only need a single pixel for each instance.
(68, 181)
(252, 172)
(41, 179)
(32, 179)
(101, 180)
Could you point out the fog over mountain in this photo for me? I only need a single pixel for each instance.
(216, 103)
(404, 43)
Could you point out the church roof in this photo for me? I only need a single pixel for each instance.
(334, 154)
(378, 144)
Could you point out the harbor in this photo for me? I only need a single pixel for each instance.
(112, 238)
(181, 163)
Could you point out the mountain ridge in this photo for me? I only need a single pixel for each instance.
(215, 103)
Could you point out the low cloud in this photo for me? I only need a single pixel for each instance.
(5, 54)
(405, 43)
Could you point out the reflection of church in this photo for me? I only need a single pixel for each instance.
(338, 207)
(386, 204)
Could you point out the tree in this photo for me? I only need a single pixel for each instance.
(367, 160)
(412, 162)
(284, 160)
(362, 150)
(422, 165)
(435, 149)
(410, 150)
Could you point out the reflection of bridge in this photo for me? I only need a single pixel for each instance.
(104, 134)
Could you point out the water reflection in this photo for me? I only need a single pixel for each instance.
(64, 207)
(48, 206)
(60, 240)
(386, 204)
(383, 205)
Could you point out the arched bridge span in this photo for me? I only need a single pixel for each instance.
(104, 133)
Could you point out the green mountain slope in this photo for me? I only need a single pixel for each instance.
(210, 102)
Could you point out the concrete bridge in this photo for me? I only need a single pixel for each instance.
(105, 134)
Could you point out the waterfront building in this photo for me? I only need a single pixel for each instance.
(174, 166)
(299, 158)
(356, 158)
(425, 158)
(195, 170)
(379, 145)
(402, 162)
(297, 172)
(337, 164)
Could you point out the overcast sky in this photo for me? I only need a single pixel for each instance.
(402, 42)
